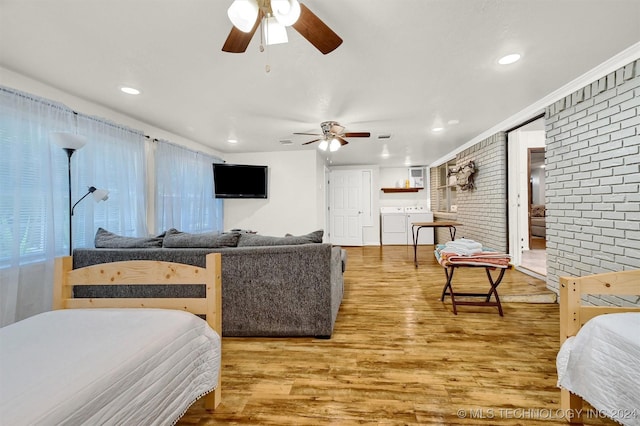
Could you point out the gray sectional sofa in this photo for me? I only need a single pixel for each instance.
(267, 290)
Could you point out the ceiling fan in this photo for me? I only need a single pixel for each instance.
(333, 136)
(247, 15)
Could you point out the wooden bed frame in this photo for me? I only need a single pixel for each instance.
(143, 272)
(573, 315)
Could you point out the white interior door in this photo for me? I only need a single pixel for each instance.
(346, 207)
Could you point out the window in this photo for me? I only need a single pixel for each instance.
(184, 190)
(446, 185)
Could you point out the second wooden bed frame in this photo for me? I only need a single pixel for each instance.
(146, 272)
(573, 315)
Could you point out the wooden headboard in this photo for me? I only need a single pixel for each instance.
(573, 315)
(145, 272)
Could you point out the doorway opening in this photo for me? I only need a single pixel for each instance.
(535, 258)
(526, 177)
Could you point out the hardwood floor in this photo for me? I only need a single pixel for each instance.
(399, 355)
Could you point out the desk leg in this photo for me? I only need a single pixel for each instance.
(452, 232)
(414, 234)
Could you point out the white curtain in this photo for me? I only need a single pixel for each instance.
(114, 160)
(34, 203)
(33, 176)
(184, 197)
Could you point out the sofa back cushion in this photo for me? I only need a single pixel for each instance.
(106, 239)
(177, 239)
(253, 240)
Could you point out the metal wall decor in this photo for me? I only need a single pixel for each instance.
(464, 175)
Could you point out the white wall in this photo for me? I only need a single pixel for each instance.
(293, 206)
(390, 177)
(19, 82)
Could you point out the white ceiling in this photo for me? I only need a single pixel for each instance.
(404, 67)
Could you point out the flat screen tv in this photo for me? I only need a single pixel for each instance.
(240, 180)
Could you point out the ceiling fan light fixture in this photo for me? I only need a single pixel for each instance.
(274, 31)
(334, 145)
(324, 144)
(286, 12)
(243, 14)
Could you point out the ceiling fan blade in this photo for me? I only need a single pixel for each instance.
(357, 135)
(342, 141)
(337, 129)
(315, 140)
(237, 41)
(310, 134)
(316, 32)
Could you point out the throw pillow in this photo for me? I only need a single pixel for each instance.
(106, 239)
(252, 240)
(178, 239)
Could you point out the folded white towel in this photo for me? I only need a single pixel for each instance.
(465, 242)
(461, 251)
(462, 247)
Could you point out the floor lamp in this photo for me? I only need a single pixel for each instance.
(71, 142)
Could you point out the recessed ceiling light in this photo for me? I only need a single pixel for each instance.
(130, 90)
(232, 140)
(509, 59)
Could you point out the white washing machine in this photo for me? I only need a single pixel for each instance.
(419, 214)
(393, 225)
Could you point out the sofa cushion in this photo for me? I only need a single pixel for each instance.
(177, 239)
(106, 239)
(247, 240)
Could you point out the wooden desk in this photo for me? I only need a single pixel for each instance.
(417, 226)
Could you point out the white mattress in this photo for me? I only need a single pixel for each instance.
(105, 366)
(601, 364)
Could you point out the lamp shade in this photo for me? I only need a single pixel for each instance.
(243, 14)
(274, 32)
(66, 140)
(334, 145)
(100, 195)
(286, 12)
(323, 145)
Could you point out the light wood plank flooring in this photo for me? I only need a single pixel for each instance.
(399, 355)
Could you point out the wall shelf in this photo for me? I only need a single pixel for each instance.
(388, 190)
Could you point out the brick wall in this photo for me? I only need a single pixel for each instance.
(482, 210)
(593, 180)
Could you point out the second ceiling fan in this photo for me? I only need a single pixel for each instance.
(333, 136)
(247, 15)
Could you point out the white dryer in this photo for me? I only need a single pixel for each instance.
(419, 214)
(393, 225)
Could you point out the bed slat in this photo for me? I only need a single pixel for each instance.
(197, 306)
(140, 272)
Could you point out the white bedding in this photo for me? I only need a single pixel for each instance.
(105, 366)
(601, 364)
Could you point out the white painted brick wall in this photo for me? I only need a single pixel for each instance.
(482, 210)
(593, 181)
